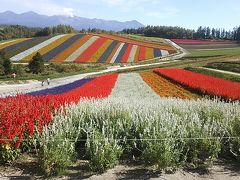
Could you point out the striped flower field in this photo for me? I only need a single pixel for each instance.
(107, 111)
(85, 48)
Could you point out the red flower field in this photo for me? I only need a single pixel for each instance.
(202, 83)
(21, 114)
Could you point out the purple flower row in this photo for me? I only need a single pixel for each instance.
(61, 89)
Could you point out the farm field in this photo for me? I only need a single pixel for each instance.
(86, 48)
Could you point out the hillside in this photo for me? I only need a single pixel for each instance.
(86, 48)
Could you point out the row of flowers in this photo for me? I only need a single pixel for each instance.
(202, 83)
(166, 88)
(43, 51)
(33, 49)
(21, 115)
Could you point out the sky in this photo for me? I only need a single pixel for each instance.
(184, 13)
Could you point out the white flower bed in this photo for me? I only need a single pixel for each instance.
(132, 86)
(116, 53)
(132, 53)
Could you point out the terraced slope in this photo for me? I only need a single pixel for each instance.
(86, 48)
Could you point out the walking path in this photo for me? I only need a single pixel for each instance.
(222, 71)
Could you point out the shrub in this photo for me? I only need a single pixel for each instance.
(103, 153)
(36, 65)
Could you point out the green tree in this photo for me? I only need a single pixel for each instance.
(36, 65)
(5, 64)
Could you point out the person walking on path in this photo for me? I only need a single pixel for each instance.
(48, 81)
(42, 82)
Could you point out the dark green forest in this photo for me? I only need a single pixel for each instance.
(172, 32)
(17, 31)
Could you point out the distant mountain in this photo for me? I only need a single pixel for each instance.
(32, 19)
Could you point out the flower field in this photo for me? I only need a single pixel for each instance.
(165, 88)
(86, 48)
(202, 83)
(21, 114)
(117, 115)
(21, 46)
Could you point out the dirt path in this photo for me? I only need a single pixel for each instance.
(27, 168)
(221, 71)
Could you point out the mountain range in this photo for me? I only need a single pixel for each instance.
(32, 19)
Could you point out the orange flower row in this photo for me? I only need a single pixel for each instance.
(165, 88)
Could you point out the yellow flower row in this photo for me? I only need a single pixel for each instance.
(50, 46)
(7, 44)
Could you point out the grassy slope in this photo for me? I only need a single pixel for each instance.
(148, 39)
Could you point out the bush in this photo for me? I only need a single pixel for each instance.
(57, 146)
(7, 153)
(103, 153)
(163, 153)
(36, 65)
(5, 64)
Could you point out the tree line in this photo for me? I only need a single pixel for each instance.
(172, 32)
(17, 31)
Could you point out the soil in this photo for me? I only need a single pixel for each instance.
(26, 167)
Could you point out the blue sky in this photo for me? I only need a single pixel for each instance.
(184, 13)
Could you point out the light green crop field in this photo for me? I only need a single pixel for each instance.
(214, 53)
(148, 39)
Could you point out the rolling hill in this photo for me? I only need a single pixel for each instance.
(86, 48)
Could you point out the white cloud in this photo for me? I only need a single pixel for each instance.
(47, 7)
(163, 13)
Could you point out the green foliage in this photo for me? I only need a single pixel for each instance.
(17, 31)
(103, 153)
(7, 153)
(19, 69)
(171, 32)
(5, 64)
(57, 146)
(227, 66)
(59, 29)
(36, 65)
(163, 153)
(234, 143)
(56, 156)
